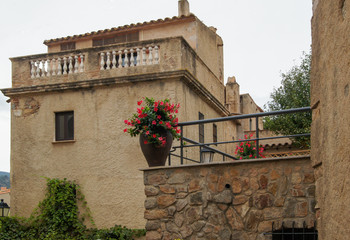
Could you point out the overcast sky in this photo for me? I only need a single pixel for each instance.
(262, 38)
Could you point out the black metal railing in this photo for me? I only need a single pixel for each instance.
(193, 143)
(293, 233)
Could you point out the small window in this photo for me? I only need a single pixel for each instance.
(201, 128)
(64, 122)
(215, 133)
(68, 46)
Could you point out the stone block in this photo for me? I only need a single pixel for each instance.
(234, 219)
(155, 214)
(262, 201)
(179, 219)
(240, 199)
(177, 178)
(150, 203)
(272, 213)
(194, 186)
(167, 188)
(236, 186)
(264, 170)
(254, 185)
(301, 209)
(155, 179)
(309, 178)
(274, 175)
(171, 210)
(192, 214)
(213, 178)
(263, 181)
(296, 178)
(223, 197)
(225, 234)
(252, 220)
(152, 225)
(181, 204)
(165, 200)
(265, 226)
(279, 202)
(153, 235)
(196, 198)
(272, 188)
(186, 231)
(151, 191)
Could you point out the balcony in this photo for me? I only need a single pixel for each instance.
(135, 61)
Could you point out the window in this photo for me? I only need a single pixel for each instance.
(201, 128)
(68, 46)
(120, 38)
(64, 122)
(215, 133)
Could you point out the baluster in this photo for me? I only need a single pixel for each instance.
(138, 57)
(108, 60)
(132, 59)
(37, 69)
(144, 59)
(114, 60)
(53, 63)
(126, 61)
(59, 66)
(156, 55)
(32, 70)
(81, 63)
(120, 60)
(102, 63)
(70, 66)
(48, 68)
(42, 68)
(65, 66)
(150, 57)
(76, 64)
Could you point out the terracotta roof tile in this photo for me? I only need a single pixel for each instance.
(115, 29)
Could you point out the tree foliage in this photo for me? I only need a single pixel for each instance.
(294, 92)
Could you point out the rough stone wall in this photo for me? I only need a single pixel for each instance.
(232, 200)
(330, 74)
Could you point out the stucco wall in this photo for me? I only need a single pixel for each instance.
(330, 74)
(102, 159)
(234, 200)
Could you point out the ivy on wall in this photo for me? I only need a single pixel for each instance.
(58, 217)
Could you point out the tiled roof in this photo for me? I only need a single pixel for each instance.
(116, 29)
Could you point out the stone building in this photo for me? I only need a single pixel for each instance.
(330, 128)
(68, 107)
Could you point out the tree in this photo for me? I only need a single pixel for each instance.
(294, 92)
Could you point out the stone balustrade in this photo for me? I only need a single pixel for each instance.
(71, 64)
(129, 57)
(232, 200)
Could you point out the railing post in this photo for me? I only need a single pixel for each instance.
(169, 159)
(257, 136)
(182, 146)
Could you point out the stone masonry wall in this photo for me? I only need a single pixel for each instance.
(232, 200)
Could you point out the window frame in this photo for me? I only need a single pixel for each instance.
(68, 128)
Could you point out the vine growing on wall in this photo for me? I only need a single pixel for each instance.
(59, 217)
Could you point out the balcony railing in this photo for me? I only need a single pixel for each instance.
(178, 151)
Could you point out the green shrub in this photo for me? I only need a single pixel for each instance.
(58, 217)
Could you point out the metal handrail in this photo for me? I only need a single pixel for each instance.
(230, 118)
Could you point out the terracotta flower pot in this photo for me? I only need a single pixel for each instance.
(156, 155)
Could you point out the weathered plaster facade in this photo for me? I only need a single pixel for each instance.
(330, 74)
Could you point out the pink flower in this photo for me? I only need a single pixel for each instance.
(161, 103)
(159, 117)
(139, 102)
(156, 104)
(250, 155)
(161, 122)
(126, 121)
(154, 135)
(154, 122)
(156, 109)
(125, 130)
(147, 133)
(160, 138)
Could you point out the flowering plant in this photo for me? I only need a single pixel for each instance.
(153, 120)
(247, 149)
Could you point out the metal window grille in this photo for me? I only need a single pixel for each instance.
(293, 233)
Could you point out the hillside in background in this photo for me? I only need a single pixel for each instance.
(5, 179)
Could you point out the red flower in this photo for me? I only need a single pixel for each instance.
(126, 121)
(154, 122)
(154, 135)
(125, 130)
(145, 142)
(156, 109)
(159, 117)
(147, 132)
(139, 102)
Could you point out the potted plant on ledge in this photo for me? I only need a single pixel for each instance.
(156, 123)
